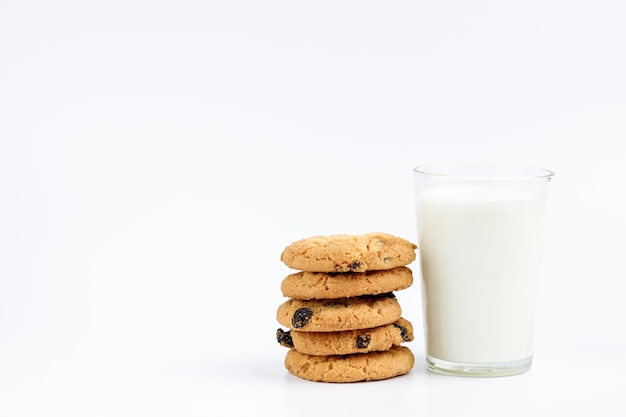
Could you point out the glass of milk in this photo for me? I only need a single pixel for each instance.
(480, 238)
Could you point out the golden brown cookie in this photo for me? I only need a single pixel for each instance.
(339, 314)
(324, 285)
(349, 253)
(350, 341)
(372, 366)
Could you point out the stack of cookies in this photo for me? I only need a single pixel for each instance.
(343, 320)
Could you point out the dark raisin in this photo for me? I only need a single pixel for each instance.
(363, 340)
(403, 332)
(284, 337)
(301, 317)
(354, 266)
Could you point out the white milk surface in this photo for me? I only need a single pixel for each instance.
(480, 253)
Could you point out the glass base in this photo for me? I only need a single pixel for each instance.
(482, 370)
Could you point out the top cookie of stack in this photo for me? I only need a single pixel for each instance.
(349, 253)
(344, 322)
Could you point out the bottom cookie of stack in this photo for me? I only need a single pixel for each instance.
(357, 367)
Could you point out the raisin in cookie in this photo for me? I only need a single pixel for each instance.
(316, 285)
(339, 314)
(350, 341)
(372, 366)
(349, 253)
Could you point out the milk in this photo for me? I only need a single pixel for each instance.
(480, 252)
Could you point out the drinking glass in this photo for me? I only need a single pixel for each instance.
(480, 242)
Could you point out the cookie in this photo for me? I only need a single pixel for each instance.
(372, 366)
(324, 285)
(350, 341)
(349, 253)
(339, 314)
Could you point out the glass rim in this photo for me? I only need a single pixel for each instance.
(477, 172)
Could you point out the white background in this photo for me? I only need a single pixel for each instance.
(157, 156)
